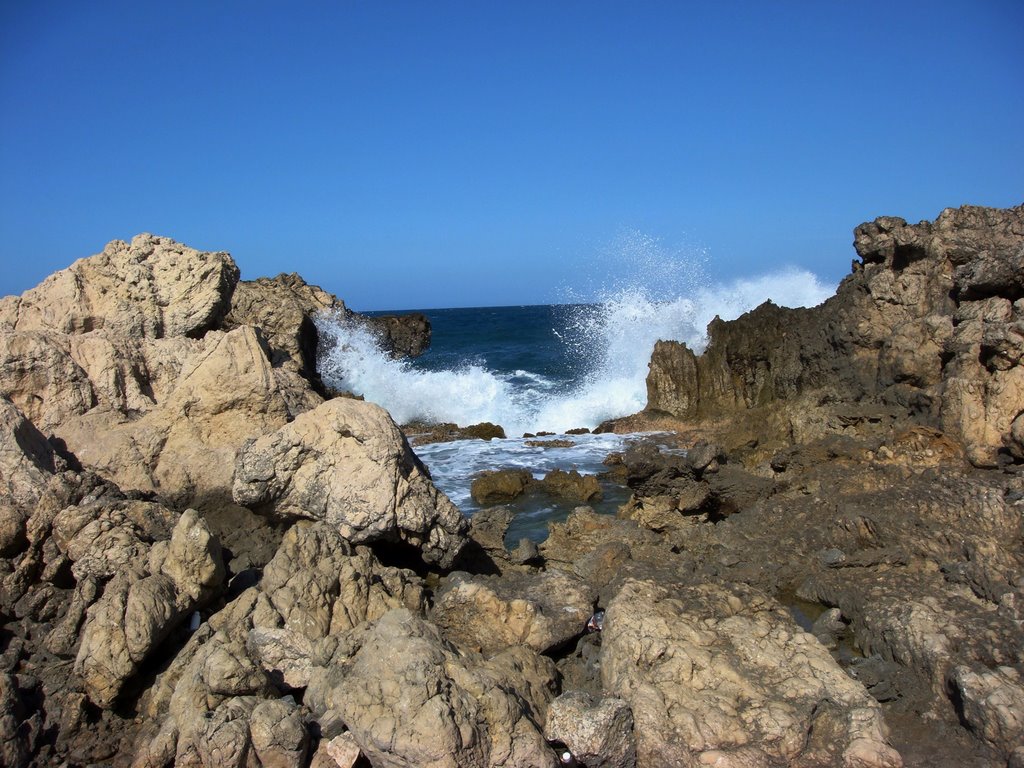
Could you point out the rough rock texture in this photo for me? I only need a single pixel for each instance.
(140, 605)
(716, 673)
(927, 326)
(410, 700)
(150, 288)
(283, 308)
(185, 446)
(543, 610)
(382, 492)
(278, 636)
(405, 335)
(598, 734)
(499, 486)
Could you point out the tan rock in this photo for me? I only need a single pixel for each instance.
(721, 673)
(26, 464)
(152, 287)
(410, 700)
(541, 610)
(992, 702)
(347, 463)
(597, 732)
(185, 448)
(499, 486)
(138, 609)
(39, 375)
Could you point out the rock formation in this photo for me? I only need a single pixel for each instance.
(926, 328)
(205, 559)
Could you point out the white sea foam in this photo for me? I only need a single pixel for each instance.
(615, 337)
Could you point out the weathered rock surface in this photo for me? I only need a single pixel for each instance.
(150, 288)
(926, 328)
(347, 463)
(598, 734)
(499, 486)
(410, 700)
(542, 610)
(715, 673)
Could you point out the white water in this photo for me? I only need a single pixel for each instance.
(617, 337)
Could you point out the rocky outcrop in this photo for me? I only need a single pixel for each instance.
(150, 288)
(411, 701)
(383, 494)
(713, 673)
(147, 617)
(926, 328)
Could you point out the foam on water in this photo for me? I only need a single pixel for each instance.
(613, 336)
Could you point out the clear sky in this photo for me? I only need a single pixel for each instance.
(431, 154)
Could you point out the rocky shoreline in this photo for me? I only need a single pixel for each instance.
(208, 559)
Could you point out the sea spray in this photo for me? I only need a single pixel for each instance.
(605, 347)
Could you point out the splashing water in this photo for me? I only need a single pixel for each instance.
(610, 342)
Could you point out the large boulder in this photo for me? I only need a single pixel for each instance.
(152, 287)
(184, 446)
(721, 673)
(346, 463)
(542, 610)
(144, 600)
(411, 700)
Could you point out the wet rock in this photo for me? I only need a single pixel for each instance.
(542, 610)
(572, 485)
(598, 732)
(499, 486)
(720, 672)
(382, 493)
(405, 335)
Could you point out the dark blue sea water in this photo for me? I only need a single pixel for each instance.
(531, 369)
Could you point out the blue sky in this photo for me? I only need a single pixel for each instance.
(439, 154)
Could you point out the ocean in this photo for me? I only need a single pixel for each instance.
(542, 368)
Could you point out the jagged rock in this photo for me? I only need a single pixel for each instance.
(542, 610)
(406, 335)
(283, 308)
(16, 735)
(26, 463)
(150, 288)
(720, 672)
(927, 325)
(499, 486)
(224, 394)
(39, 375)
(598, 733)
(338, 752)
(138, 609)
(320, 585)
(381, 493)
(411, 700)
